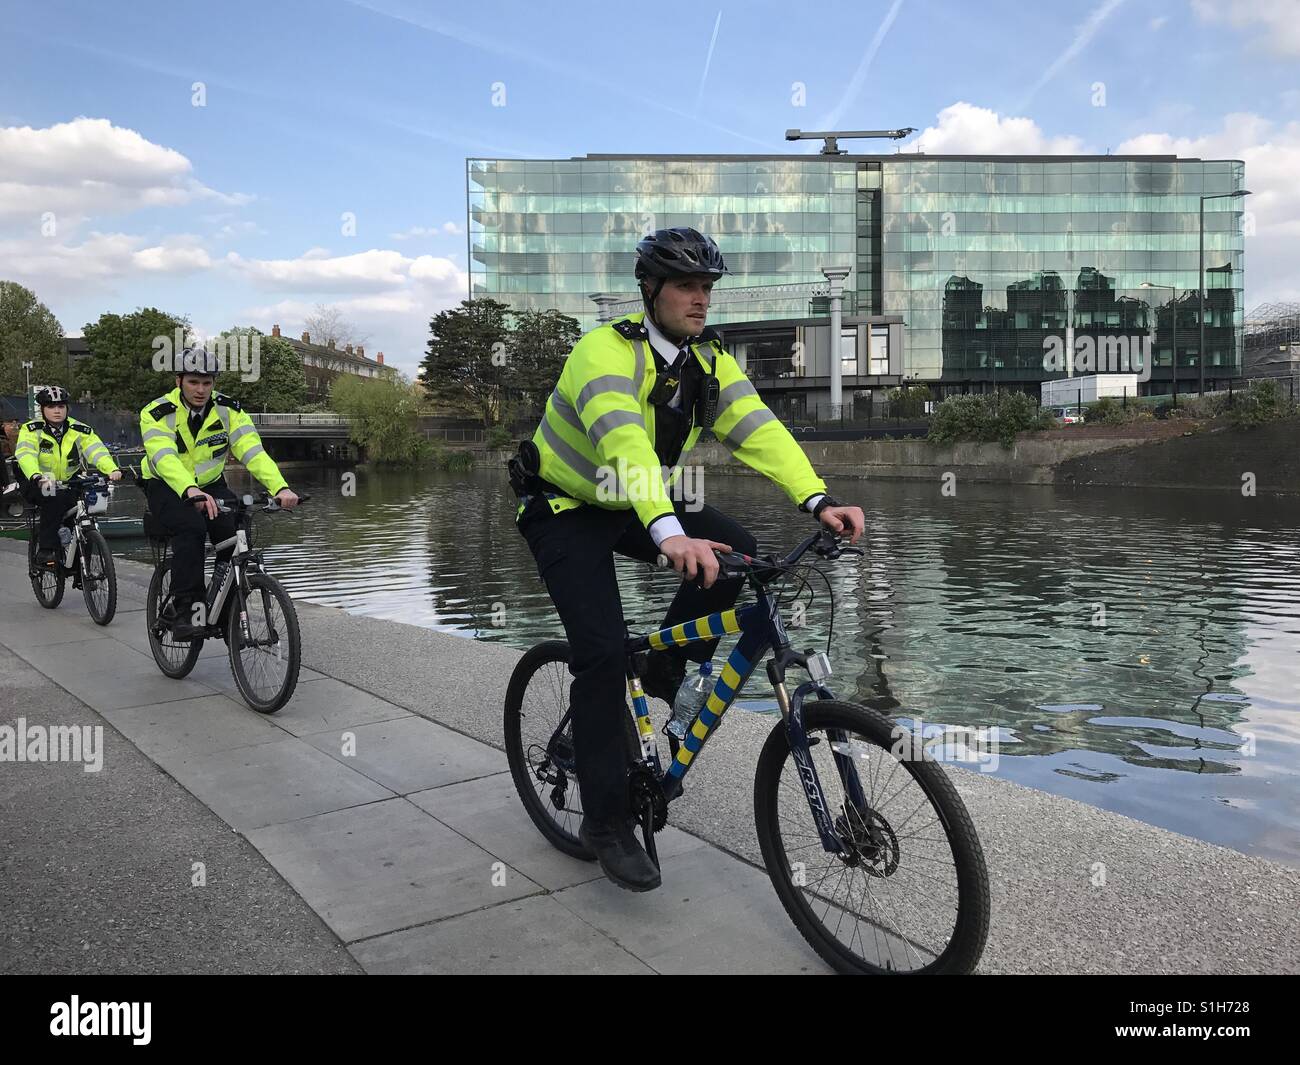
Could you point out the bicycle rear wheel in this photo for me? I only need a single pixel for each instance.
(266, 659)
(174, 657)
(47, 581)
(542, 761)
(98, 577)
(910, 892)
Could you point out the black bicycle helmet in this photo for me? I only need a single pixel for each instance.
(198, 361)
(678, 253)
(52, 394)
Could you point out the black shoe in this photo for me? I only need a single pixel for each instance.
(663, 676)
(180, 630)
(621, 856)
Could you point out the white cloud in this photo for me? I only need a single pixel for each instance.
(965, 129)
(1277, 20)
(89, 166)
(447, 228)
(316, 272)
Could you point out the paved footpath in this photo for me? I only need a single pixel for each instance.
(413, 854)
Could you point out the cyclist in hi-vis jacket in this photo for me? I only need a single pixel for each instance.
(632, 399)
(188, 434)
(48, 450)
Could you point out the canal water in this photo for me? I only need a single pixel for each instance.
(1135, 649)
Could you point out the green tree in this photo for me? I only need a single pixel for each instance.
(465, 367)
(29, 332)
(120, 371)
(539, 343)
(385, 417)
(280, 383)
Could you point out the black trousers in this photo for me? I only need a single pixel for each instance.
(188, 528)
(52, 508)
(574, 553)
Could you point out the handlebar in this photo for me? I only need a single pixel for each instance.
(262, 501)
(733, 565)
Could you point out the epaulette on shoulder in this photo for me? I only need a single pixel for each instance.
(631, 330)
(226, 401)
(34, 426)
(81, 427)
(162, 409)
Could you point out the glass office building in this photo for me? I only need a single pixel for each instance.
(980, 258)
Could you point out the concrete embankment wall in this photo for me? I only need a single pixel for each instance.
(1213, 459)
(1209, 459)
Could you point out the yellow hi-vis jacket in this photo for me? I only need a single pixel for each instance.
(597, 436)
(39, 451)
(183, 460)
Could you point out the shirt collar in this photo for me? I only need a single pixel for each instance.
(667, 350)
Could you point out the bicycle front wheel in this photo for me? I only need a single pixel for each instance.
(908, 891)
(265, 647)
(98, 577)
(174, 657)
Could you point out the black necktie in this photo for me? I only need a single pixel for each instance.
(196, 422)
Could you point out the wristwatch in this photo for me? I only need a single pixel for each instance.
(827, 500)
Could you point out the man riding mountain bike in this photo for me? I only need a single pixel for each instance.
(188, 434)
(633, 397)
(48, 450)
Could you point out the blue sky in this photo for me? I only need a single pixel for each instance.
(116, 191)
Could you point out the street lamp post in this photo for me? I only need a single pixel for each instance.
(836, 275)
(1200, 284)
(1173, 308)
(27, 377)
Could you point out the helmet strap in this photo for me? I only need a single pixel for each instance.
(649, 300)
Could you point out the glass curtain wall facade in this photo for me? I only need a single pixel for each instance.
(983, 258)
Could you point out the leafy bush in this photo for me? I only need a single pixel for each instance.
(498, 436)
(1262, 402)
(1106, 411)
(984, 418)
(908, 402)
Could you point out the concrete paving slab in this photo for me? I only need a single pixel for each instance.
(713, 914)
(193, 726)
(251, 787)
(384, 867)
(48, 628)
(106, 675)
(330, 705)
(214, 671)
(410, 754)
(533, 936)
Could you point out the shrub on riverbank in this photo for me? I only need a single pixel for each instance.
(383, 412)
(984, 418)
(1262, 402)
(908, 402)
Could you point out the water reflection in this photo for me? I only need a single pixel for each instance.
(1111, 636)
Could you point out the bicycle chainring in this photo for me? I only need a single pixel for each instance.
(643, 786)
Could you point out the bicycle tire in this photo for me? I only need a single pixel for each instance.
(970, 930)
(564, 837)
(183, 654)
(96, 546)
(265, 584)
(47, 584)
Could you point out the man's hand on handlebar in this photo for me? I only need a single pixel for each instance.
(287, 498)
(693, 558)
(116, 475)
(844, 519)
(203, 502)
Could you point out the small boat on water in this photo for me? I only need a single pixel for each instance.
(112, 528)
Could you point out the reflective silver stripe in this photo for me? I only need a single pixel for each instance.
(223, 413)
(638, 374)
(565, 410)
(600, 385)
(251, 453)
(571, 458)
(204, 468)
(21, 448)
(741, 431)
(243, 430)
(162, 453)
(95, 449)
(612, 420)
(734, 391)
(158, 434)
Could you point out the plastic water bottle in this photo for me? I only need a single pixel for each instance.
(65, 544)
(690, 698)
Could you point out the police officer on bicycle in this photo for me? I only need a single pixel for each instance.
(48, 450)
(188, 434)
(633, 397)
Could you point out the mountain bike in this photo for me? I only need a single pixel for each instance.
(83, 552)
(867, 843)
(243, 605)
